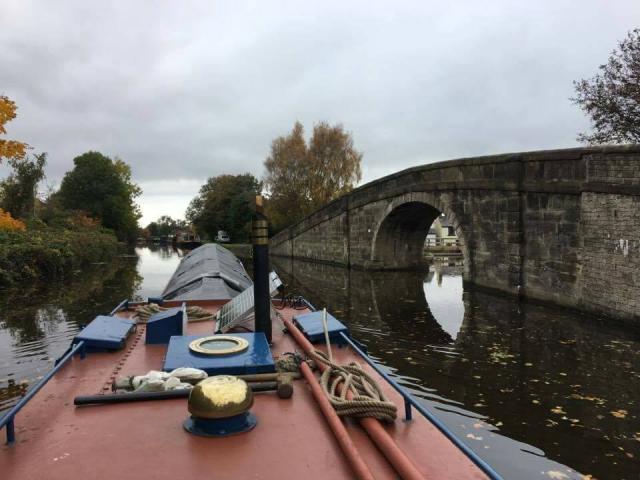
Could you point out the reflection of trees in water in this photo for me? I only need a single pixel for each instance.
(31, 314)
(166, 251)
(41, 320)
(513, 362)
(392, 300)
(527, 360)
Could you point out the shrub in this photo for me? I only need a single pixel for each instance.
(9, 224)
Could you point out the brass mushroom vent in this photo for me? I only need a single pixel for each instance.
(219, 406)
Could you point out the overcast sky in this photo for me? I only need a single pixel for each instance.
(186, 90)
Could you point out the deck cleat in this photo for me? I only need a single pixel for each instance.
(219, 406)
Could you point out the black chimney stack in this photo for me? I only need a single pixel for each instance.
(261, 295)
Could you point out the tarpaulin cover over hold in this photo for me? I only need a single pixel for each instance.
(210, 272)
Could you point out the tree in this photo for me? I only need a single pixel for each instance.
(612, 97)
(103, 189)
(225, 203)
(9, 149)
(301, 178)
(164, 226)
(18, 191)
(334, 164)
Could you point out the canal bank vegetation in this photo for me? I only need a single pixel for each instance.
(54, 235)
(40, 252)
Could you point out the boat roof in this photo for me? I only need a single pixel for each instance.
(210, 272)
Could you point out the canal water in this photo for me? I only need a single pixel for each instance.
(538, 392)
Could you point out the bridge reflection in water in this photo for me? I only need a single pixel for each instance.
(531, 388)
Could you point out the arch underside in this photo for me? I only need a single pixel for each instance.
(400, 238)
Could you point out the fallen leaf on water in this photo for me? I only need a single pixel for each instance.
(619, 413)
(589, 398)
(535, 401)
(528, 364)
(558, 410)
(499, 424)
(555, 474)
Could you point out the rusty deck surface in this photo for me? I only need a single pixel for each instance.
(56, 440)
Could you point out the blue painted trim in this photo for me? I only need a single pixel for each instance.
(8, 419)
(410, 401)
(123, 304)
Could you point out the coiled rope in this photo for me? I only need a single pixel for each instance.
(292, 301)
(194, 313)
(368, 398)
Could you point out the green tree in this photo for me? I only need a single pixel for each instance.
(152, 229)
(225, 203)
(103, 188)
(165, 225)
(301, 178)
(18, 191)
(612, 98)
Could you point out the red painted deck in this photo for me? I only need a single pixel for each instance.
(56, 440)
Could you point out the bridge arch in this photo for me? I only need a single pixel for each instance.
(400, 232)
(553, 226)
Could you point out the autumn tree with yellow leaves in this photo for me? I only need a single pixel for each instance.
(10, 149)
(301, 177)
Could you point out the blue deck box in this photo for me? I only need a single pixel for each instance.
(163, 325)
(105, 333)
(311, 326)
(256, 358)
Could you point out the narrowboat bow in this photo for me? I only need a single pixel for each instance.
(181, 386)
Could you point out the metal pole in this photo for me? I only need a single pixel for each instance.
(261, 298)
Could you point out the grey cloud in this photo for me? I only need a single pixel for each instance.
(193, 89)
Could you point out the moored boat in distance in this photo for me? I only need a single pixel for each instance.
(183, 386)
(187, 239)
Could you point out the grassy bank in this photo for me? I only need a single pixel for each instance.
(46, 253)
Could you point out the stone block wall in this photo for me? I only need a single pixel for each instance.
(560, 226)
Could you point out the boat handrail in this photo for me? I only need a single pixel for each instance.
(410, 401)
(7, 420)
(123, 304)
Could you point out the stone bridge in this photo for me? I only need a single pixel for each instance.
(560, 226)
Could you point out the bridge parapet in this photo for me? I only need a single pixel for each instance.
(560, 226)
